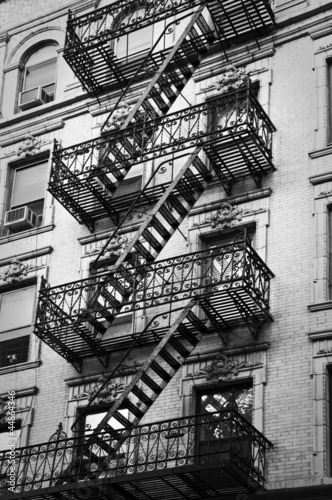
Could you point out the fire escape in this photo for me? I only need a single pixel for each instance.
(184, 297)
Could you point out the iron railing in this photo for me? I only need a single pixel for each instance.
(221, 439)
(233, 130)
(231, 284)
(119, 19)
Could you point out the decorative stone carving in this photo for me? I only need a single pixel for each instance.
(115, 247)
(16, 271)
(232, 79)
(119, 116)
(30, 146)
(109, 393)
(226, 216)
(222, 368)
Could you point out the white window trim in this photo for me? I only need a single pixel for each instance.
(321, 360)
(255, 370)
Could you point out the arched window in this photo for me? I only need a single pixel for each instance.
(39, 78)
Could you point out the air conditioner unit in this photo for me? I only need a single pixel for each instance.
(20, 219)
(32, 97)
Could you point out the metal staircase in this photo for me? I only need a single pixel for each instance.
(147, 384)
(87, 311)
(169, 77)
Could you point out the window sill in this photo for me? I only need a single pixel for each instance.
(321, 152)
(19, 367)
(322, 306)
(26, 234)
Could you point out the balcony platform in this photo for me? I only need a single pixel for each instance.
(191, 462)
(232, 129)
(90, 38)
(230, 283)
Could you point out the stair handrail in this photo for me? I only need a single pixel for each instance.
(174, 22)
(113, 372)
(93, 264)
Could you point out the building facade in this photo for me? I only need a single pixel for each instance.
(165, 249)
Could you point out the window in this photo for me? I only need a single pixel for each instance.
(16, 309)
(329, 86)
(27, 197)
(215, 399)
(329, 413)
(7, 438)
(135, 41)
(138, 42)
(39, 78)
(131, 184)
(225, 433)
(330, 251)
(229, 264)
(100, 453)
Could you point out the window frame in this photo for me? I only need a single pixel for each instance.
(27, 329)
(12, 169)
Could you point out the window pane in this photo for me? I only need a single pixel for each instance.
(215, 401)
(41, 74)
(6, 438)
(16, 309)
(29, 184)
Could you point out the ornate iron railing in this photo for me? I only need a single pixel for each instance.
(222, 439)
(118, 19)
(230, 282)
(233, 122)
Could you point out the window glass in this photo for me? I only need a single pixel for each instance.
(16, 309)
(29, 184)
(136, 41)
(216, 400)
(329, 74)
(40, 75)
(6, 438)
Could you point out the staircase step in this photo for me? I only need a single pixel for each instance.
(152, 240)
(144, 252)
(157, 225)
(169, 217)
(160, 371)
(151, 383)
(142, 396)
(89, 318)
(156, 96)
(132, 408)
(202, 169)
(170, 360)
(121, 418)
(188, 335)
(172, 200)
(176, 344)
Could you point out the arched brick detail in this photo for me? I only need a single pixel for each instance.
(43, 36)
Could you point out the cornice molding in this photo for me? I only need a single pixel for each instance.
(320, 152)
(39, 128)
(322, 306)
(20, 393)
(26, 255)
(26, 234)
(320, 178)
(4, 38)
(90, 238)
(209, 354)
(232, 200)
(14, 66)
(320, 335)
(214, 65)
